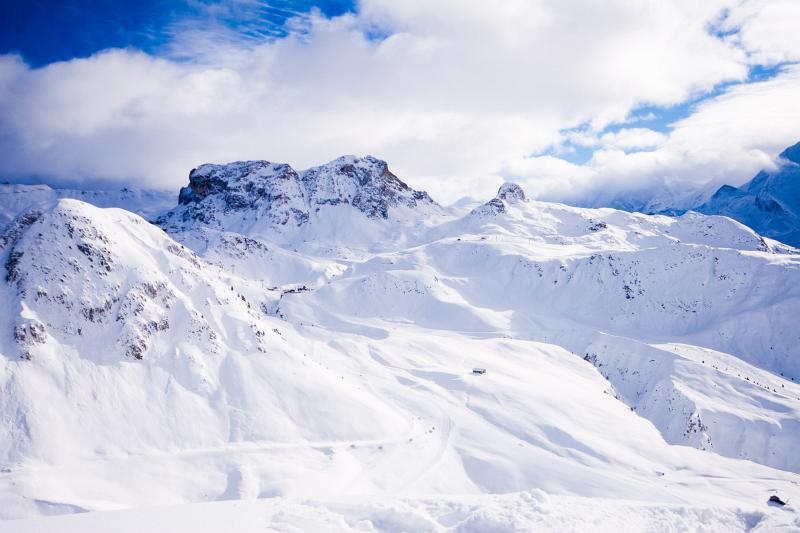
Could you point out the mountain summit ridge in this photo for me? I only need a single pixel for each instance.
(281, 196)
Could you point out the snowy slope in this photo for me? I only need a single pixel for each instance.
(311, 336)
(16, 199)
(532, 510)
(145, 347)
(612, 287)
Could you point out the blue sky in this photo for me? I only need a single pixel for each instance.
(47, 31)
(658, 118)
(575, 99)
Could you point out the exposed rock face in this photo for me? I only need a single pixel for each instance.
(511, 192)
(102, 287)
(271, 190)
(260, 190)
(365, 183)
(508, 193)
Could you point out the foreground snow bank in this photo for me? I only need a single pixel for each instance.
(521, 511)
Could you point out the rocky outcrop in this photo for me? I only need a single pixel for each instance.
(365, 183)
(113, 285)
(276, 194)
(508, 193)
(268, 190)
(511, 192)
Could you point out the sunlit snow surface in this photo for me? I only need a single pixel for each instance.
(638, 372)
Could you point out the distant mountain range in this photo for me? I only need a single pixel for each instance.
(769, 203)
(17, 198)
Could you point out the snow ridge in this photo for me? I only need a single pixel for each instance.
(16, 199)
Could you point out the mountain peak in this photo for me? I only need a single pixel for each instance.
(792, 153)
(235, 182)
(508, 193)
(246, 189)
(250, 191)
(363, 182)
(511, 192)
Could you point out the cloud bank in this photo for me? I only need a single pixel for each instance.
(456, 95)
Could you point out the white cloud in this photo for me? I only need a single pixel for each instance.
(625, 138)
(633, 138)
(767, 29)
(727, 139)
(548, 176)
(457, 96)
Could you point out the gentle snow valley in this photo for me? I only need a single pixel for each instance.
(294, 351)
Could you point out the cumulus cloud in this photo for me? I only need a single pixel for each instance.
(456, 95)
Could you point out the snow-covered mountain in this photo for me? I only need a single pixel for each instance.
(310, 338)
(259, 197)
(769, 203)
(16, 199)
(666, 199)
